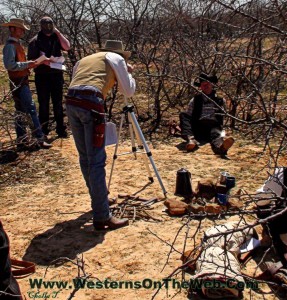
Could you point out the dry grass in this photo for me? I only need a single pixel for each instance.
(45, 210)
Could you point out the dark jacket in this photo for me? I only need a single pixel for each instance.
(43, 44)
(197, 110)
(8, 283)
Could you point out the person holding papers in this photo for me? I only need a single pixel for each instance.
(47, 45)
(18, 68)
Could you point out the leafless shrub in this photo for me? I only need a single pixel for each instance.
(173, 41)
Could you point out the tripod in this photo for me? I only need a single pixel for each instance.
(135, 130)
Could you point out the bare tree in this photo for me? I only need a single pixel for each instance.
(242, 42)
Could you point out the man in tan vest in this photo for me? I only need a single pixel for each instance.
(14, 59)
(93, 77)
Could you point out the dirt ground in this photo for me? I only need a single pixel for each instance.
(47, 215)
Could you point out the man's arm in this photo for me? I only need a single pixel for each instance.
(223, 105)
(33, 51)
(65, 44)
(9, 54)
(126, 82)
(220, 110)
(190, 107)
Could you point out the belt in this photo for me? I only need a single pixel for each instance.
(85, 104)
(22, 268)
(75, 93)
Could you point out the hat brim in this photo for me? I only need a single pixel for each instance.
(197, 82)
(126, 54)
(25, 27)
(264, 198)
(283, 237)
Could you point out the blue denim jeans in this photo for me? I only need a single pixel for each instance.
(92, 159)
(24, 104)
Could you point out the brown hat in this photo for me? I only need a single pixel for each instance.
(117, 47)
(16, 23)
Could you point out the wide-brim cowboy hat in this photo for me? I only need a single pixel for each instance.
(264, 198)
(16, 23)
(117, 47)
(204, 77)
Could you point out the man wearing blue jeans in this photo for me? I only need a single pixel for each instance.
(93, 77)
(18, 70)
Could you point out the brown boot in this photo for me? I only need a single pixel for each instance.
(191, 145)
(227, 143)
(112, 223)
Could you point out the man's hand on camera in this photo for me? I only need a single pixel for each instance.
(130, 68)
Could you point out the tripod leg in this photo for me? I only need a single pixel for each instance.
(116, 150)
(140, 146)
(134, 149)
(148, 153)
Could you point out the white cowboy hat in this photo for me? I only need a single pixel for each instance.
(16, 23)
(264, 198)
(117, 47)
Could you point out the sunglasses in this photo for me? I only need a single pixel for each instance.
(46, 22)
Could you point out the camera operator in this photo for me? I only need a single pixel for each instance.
(93, 77)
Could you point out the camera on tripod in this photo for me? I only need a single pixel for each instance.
(142, 147)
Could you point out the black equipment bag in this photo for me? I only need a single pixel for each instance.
(9, 288)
